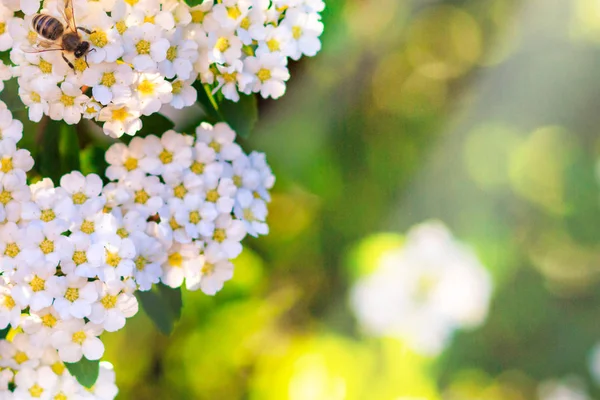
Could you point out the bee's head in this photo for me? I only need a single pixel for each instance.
(82, 49)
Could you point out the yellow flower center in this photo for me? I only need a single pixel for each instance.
(215, 146)
(222, 44)
(234, 12)
(197, 168)
(68, 101)
(140, 263)
(109, 301)
(79, 198)
(130, 164)
(121, 27)
(72, 294)
(79, 337)
(175, 260)
(6, 165)
(99, 38)
(80, 64)
(2, 28)
(112, 259)
(230, 77)
(172, 53)
(212, 196)
(219, 235)
(120, 114)
(296, 32)
(12, 250)
(36, 390)
(273, 45)
(49, 320)
(176, 86)
(146, 88)
(108, 79)
(48, 215)
(47, 246)
(245, 24)
(88, 227)
(37, 284)
(197, 16)
(208, 268)
(149, 19)
(45, 67)
(143, 47)
(264, 74)
(58, 368)
(237, 180)
(32, 37)
(174, 225)
(5, 197)
(122, 232)
(35, 97)
(60, 396)
(132, 2)
(79, 257)
(20, 357)
(179, 191)
(141, 197)
(194, 217)
(9, 302)
(165, 156)
(249, 215)
(90, 110)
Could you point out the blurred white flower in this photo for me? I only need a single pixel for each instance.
(424, 291)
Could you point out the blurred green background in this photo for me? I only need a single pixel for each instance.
(481, 113)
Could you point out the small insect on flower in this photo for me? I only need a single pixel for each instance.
(54, 36)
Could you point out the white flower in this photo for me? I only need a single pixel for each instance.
(10, 128)
(252, 211)
(10, 312)
(13, 192)
(227, 236)
(145, 47)
(148, 261)
(120, 120)
(306, 29)
(151, 91)
(220, 138)
(270, 72)
(113, 306)
(32, 289)
(76, 339)
(20, 353)
(180, 57)
(225, 47)
(73, 295)
(105, 388)
(166, 155)
(80, 188)
(215, 272)
(69, 105)
(184, 261)
(46, 244)
(105, 39)
(124, 159)
(35, 383)
(231, 78)
(110, 82)
(424, 291)
(277, 40)
(184, 95)
(113, 255)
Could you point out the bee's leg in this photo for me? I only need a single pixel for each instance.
(68, 62)
(85, 30)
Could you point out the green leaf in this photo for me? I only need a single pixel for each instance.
(4, 332)
(48, 161)
(85, 371)
(163, 305)
(241, 116)
(208, 102)
(68, 147)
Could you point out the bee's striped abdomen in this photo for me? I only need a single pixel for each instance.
(47, 26)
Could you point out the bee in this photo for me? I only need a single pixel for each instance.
(55, 36)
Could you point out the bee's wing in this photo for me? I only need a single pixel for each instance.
(69, 15)
(41, 46)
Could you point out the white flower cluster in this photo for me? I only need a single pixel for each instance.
(187, 202)
(29, 371)
(424, 291)
(569, 388)
(148, 53)
(72, 256)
